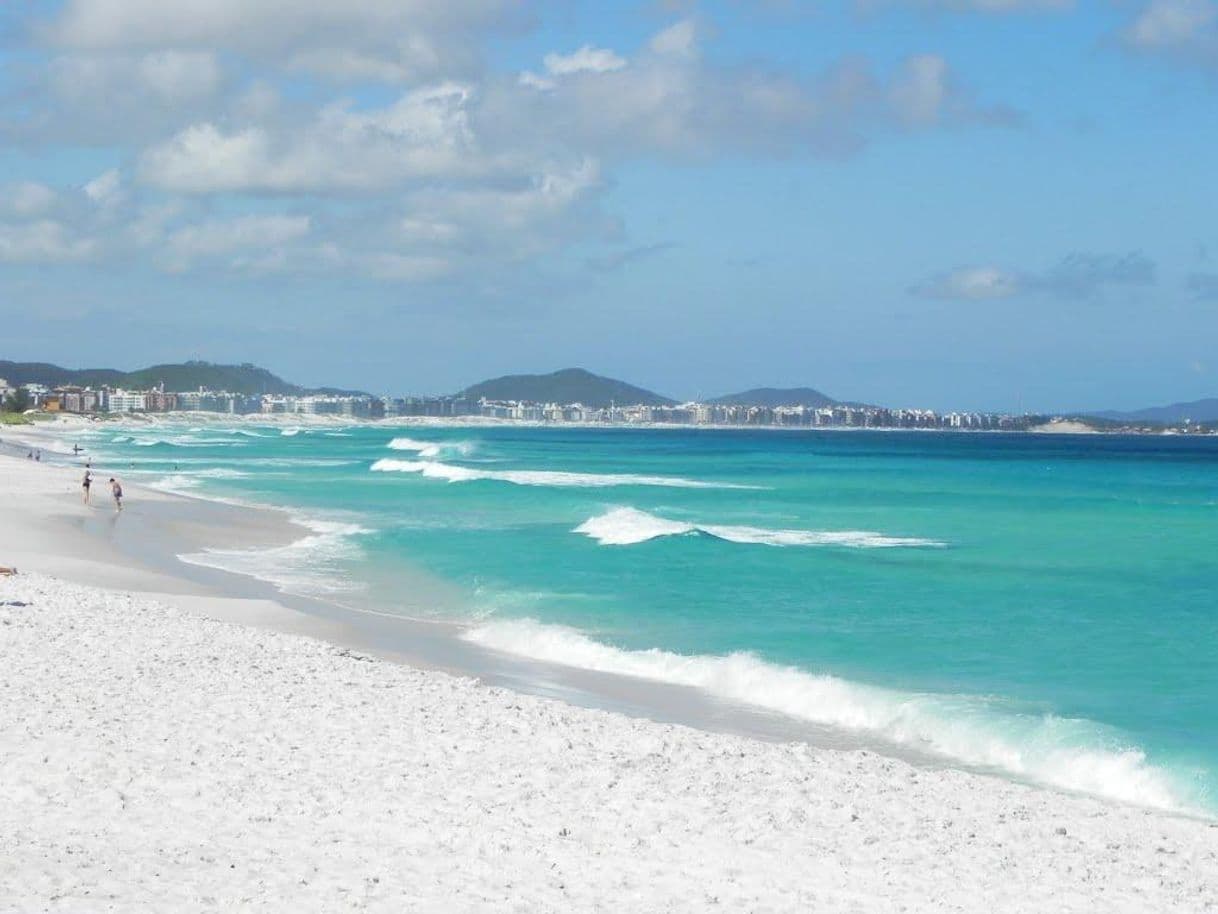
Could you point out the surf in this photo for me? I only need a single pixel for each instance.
(434, 469)
(1067, 753)
(629, 526)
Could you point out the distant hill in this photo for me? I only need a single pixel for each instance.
(774, 396)
(571, 385)
(241, 379)
(1196, 410)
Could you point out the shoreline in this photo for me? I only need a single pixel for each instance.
(399, 784)
(156, 561)
(462, 647)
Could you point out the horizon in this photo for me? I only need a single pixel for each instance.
(987, 207)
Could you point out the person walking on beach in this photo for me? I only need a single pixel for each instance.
(116, 489)
(85, 483)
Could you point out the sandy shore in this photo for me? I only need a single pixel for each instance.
(157, 756)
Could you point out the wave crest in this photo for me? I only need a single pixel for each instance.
(434, 469)
(629, 526)
(433, 448)
(1068, 753)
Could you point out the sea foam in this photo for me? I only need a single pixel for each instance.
(433, 448)
(629, 526)
(1068, 753)
(435, 469)
(309, 566)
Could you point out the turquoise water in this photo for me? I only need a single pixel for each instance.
(1040, 605)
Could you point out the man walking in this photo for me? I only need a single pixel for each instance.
(117, 490)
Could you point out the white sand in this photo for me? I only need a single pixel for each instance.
(152, 759)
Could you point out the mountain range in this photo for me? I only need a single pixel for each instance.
(238, 379)
(575, 385)
(775, 396)
(1195, 410)
(570, 385)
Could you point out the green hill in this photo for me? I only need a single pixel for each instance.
(773, 396)
(241, 379)
(571, 385)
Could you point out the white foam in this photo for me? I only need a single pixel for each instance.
(176, 483)
(290, 432)
(1061, 752)
(309, 566)
(629, 526)
(186, 440)
(434, 469)
(433, 448)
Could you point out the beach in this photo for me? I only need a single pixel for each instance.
(174, 742)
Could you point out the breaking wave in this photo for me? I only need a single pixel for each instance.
(1068, 753)
(309, 566)
(434, 469)
(628, 526)
(433, 448)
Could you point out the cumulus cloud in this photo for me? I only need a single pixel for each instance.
(106, 189)
(669, 100)
(26, 198)
(424, 134)
(1076, 276)
(586, 60)
(210, 239)
(42, 241)
(389, 40)
(461, 169)
(1182, 29)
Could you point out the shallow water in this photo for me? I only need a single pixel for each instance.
(1042, 605)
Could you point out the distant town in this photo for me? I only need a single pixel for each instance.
(569, 396)
(119, 401)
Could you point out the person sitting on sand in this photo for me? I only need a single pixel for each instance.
(85, 483)
(117, 489)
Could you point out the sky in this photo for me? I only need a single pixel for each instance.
(952, 204)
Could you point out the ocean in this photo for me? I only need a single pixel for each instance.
(1041, 606)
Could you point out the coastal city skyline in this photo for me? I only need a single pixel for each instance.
(980, 205)
(797, 408)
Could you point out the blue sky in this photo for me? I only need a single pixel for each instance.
(944, 203)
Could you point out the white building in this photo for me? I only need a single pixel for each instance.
(127, 401)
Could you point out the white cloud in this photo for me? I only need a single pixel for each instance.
(26, 198)
(1078, 275)
(347, 39)
(180, 76)
(225, 236)
(668, 99)
(1186, 29)
(922, 90)
(679, 40)
(105, 189)
(971, 284)
(43, 241)
(403, 267)
(425, 133)
(586, 60)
